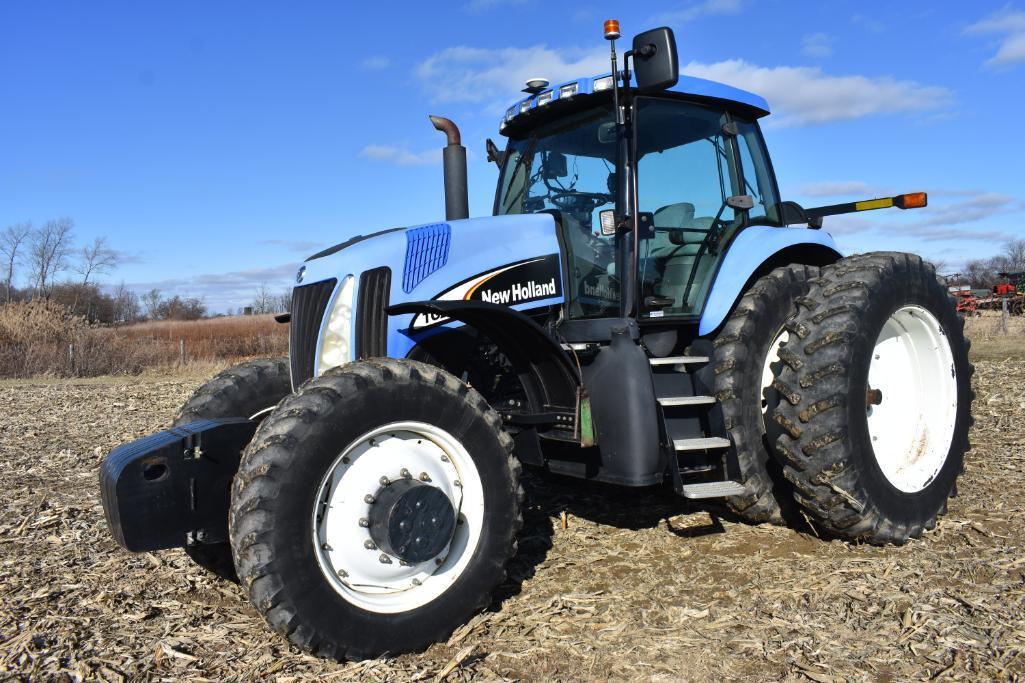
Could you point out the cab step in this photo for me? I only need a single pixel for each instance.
(700, 444)
(678, 360)
(713, 489)
(670, 401)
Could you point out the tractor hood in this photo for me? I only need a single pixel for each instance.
(341, 292)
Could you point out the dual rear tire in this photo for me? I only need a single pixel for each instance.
(847, 390)
(873, 398)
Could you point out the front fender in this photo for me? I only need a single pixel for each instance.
(754, 248)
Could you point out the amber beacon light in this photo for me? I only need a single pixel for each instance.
(611, 29)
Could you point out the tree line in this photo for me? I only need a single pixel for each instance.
(38, 255)
(984, 273)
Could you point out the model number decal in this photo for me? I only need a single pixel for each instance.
(516, 283)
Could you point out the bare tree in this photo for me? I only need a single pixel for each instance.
(49, 247)
(1014, 253)
(11, 241)
(152, 300)
(126, 305)
(283, 302)
(96, 258)
(263, 302)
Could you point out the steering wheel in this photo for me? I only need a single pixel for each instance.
(579, 201)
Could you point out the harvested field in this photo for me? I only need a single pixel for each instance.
(635, 586)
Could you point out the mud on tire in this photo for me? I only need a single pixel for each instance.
(740, 352)
(280, 484)
(825, 399)
(240, 391)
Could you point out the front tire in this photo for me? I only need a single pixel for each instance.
(875, 398)
(315, 512)
(244, 390)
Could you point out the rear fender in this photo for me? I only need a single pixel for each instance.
(756, 251)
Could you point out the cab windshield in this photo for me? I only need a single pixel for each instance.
(568, 168)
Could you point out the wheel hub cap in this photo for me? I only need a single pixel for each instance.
(412, 520)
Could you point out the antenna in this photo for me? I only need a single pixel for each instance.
(611, 34)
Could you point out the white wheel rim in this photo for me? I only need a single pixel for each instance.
(781, 338)
(913, 425)
(344, 548)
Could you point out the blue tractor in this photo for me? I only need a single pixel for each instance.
(642, 309)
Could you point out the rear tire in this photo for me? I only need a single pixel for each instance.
(871, 466)
(747, 340)
(244, 390)
(308, 539)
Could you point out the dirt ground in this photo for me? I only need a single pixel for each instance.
(635, 586)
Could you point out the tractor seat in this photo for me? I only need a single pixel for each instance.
(678, 215)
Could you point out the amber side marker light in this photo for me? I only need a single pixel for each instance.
(912, 200)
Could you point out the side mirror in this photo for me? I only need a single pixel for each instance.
(741, 202)
(656, 66)
(555, 166)
(494, 153)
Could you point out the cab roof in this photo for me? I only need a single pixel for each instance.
(690, 86)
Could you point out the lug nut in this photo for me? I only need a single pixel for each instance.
(444, 458)
(384, 559)
(326, 546)
(424, 476)
(404, 473)
(417, 582)
(403, 563)
(364, 522)
(369, 545)
(342, 573)
(368, 499)
(457, 483)
(384, 481)
(345, 460)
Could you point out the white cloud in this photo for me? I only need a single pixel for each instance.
(817, 45)
(375, 63)
(1010, 26)
(843, 188)
(798, 95)
(471, 74)
(222, 290)
(801, 95)
(695, 10)
(975, 208)
(401, 155)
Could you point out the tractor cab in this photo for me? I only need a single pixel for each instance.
(691, 166)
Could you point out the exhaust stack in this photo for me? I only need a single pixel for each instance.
(457, 205)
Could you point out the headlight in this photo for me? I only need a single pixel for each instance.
(602, 84)
(336, 339)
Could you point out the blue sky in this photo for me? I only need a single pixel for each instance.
(218, 144)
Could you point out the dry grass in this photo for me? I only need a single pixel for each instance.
(43, 339)
(637, 586)
(990, 342)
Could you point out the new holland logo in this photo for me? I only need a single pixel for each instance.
(517, 293)
(600, 290)
(517, 283)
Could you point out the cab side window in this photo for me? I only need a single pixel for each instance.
(758, 181)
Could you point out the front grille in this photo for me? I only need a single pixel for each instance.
(371, 319)
(308, 305)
